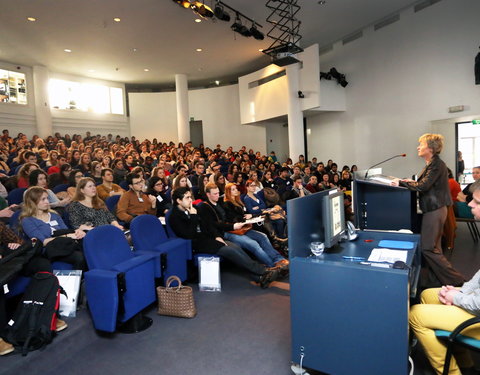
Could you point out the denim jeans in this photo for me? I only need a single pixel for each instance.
(258, 244)
(236, 255)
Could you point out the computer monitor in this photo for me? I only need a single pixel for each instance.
(333, 212)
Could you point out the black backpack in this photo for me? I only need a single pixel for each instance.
(34, 322)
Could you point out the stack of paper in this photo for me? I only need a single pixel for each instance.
(388, 255)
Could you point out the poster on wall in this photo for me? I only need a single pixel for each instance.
(12, 87)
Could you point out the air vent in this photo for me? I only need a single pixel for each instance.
(264, 80)
(424, 4)
(326, 49)
(386, 22)
(352, 37)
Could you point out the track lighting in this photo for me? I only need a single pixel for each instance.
(334, 73)
(238, 27)
(201, 9)
(220, 13)
(257, 34)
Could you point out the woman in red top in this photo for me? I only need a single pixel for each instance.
(23, 173)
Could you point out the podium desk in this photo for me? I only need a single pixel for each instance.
(380, 206)
(348, 318)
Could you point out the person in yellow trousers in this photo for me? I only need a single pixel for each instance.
(445, 308)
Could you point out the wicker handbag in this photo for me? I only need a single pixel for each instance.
(177, 300)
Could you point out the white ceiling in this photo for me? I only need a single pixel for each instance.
(164, 35)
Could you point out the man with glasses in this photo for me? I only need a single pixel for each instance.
(107, 188)
(135, 202)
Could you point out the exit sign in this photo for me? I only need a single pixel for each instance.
(476, 122)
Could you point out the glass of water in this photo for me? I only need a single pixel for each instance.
(317, 248)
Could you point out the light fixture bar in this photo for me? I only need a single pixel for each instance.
(238, 12)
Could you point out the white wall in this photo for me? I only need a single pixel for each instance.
(402, 78)
(20, 118)
(154, 115)
(270, 100)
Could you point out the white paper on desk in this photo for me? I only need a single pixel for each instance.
(388, 255)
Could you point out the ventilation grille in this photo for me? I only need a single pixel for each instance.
(264, 80)
(352, 37)
(386, 22)
(424, 4)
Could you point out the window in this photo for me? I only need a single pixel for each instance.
(13, 87)
(85, 97)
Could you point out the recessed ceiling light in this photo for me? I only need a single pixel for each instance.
(260, 50)
(322, 2)
(217, 82)
(146, 70)
(31, 19)
(198, 20)
(67, 50)
(134, 50)
(116, 19)
(199, 50)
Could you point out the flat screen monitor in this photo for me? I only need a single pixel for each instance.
(333, 211)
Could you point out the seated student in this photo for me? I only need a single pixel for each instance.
(157, 189)
(40, 222)
(220, 180)
(24, 172)
(135, 202)
(202, 182)
(268, 181)
(445, 308)
(61, 177)
(466, 195)
(256, 206)
(107, 188)
(345, 182)
(207, 238)
(9, 242)
(96, 172)
(39, 178)
(312, 185)
(283, 183)
(257, 243)
(88, 209)
(298, 190)
(73, 178)
(325, 182)
(119, 171)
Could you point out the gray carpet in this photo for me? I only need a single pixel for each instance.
(242, 330)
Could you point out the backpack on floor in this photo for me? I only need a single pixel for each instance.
(34, 322)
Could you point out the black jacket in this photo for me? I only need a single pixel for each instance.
(188, 226)
(212, 224)
(432, 185)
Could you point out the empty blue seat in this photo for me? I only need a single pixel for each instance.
(118, 284)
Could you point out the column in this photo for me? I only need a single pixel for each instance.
(43, 114)
(296, 143)
(183, 121)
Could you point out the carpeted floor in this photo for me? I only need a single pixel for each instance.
(242, 330)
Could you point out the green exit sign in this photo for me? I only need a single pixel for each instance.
(476, 122)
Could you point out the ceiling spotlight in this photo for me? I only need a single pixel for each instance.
(198, 20)
(116, 19)
(257, 34)
(146, 70)
(31, 19)
(220, 13)
(201, 9)
(238, 27)
(217, 82)
(67, 50)
(199, 50)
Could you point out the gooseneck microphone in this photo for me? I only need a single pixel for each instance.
(384, 161)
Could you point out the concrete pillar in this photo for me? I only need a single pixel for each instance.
(43, 113)
(296, 143)
(183, 120)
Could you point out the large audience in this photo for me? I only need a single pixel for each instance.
(64, 186)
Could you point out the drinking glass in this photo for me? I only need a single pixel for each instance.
(317, 248)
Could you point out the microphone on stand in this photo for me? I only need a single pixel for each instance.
(384, 161)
